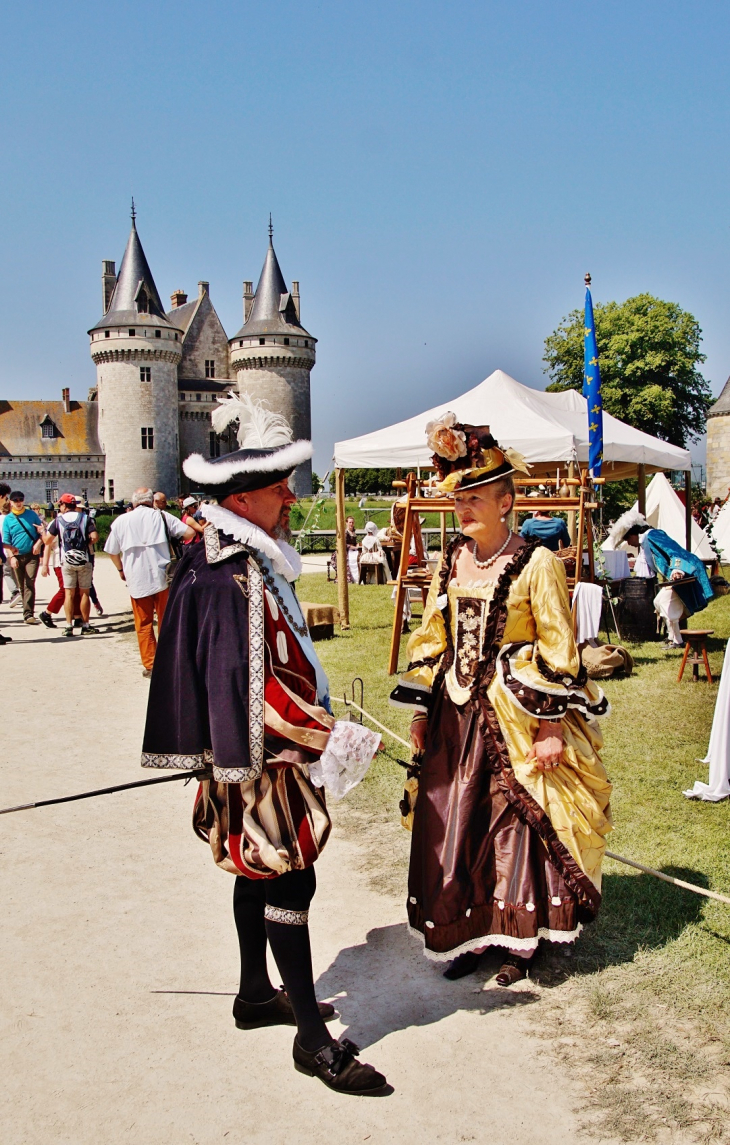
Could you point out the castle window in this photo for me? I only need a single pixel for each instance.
(241, 342)
(286, 341)
(148, 437)
(214, 445)
(198, 397)
(145, 373)
(306, 343)
(131, 333)
(262, 341)
(107, 333)
(111, 490)
(48, 429)
(158, 333)
(176, 337)
(209, 368)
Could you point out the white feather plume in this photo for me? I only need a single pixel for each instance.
(625, 522)
(258, 426)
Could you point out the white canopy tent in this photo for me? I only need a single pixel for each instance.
(720, 530)
(664, 510)
(549, 429)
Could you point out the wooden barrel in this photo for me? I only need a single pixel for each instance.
(635, 609)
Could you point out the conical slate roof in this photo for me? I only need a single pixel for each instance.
(273, 310)
(722, 405)
(135, 298)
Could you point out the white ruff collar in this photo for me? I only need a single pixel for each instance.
(283, 557)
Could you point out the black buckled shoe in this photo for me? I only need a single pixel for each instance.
(337, 1067)
(276, 1012)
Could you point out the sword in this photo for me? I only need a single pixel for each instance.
(186, 775)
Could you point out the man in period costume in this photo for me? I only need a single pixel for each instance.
(238, 687)
(658, 552)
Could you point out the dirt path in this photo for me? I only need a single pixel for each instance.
(119, 958)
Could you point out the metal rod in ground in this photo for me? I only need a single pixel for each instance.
(669, 878)
(609, 854)
(352, 704)
(107, 790)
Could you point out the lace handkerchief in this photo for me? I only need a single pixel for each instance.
(350, 751)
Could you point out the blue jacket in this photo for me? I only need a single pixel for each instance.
(668, 556)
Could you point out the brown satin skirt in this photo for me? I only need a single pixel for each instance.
(478, 875)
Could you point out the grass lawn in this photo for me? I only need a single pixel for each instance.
(652, 975)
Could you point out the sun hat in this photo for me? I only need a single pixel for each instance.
(466, 456)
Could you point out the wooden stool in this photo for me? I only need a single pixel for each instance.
(695, 642)
(321, 620)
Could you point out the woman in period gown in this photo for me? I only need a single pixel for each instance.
(512, 806)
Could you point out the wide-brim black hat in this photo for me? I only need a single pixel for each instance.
(245, 470)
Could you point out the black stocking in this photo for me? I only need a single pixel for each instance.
(288, 899)
(249, 899)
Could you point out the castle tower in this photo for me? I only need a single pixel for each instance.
(272, 354)
(718, 445)
(136, 351)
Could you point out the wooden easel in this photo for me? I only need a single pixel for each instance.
(420, 576)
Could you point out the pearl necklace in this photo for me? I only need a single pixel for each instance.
(495, 556)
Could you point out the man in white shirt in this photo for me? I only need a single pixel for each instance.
(139, 546)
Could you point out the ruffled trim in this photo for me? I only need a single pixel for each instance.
(284, 559)
(527, 944)
(408, 694)
(545, 704)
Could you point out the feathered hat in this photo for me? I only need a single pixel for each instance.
(631, 522)
(467, 455)
(266, 455)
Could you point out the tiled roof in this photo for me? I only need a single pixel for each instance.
(76, 431)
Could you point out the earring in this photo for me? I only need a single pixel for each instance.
(502, 519)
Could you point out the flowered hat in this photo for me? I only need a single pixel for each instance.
(467, 455)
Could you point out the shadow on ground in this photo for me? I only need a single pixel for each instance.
(385, 984)
(637, 912)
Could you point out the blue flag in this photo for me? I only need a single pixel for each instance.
(592, 391)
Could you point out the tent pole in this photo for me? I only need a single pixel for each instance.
(571, 514)
(343, 595)
(688, 509)
(641, 474)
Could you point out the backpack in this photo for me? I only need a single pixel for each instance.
(73, 540)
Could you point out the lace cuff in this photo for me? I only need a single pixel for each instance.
(345, 760)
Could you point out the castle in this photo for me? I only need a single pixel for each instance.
(157, 378)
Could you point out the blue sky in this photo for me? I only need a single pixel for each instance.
(440, 177)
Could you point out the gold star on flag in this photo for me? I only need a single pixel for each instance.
(593, 426)
(596, 409)
(589, 377)
(593, 362)
(588, 331)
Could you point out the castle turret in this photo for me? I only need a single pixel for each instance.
(136, 351)
(272, 355)
(718, 445)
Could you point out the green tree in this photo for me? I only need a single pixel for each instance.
(649, 354)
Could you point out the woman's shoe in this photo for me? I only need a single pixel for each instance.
(462, 965)
(337, 1067)
(276, 1012)
(513, 969)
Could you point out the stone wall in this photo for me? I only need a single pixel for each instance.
(126, 405)
(718, 455)
(205, 339)
(82, 476)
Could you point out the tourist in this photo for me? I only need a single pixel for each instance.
(159, 501)
(76, 534)
(513, 800)
(7, 580)
(21, 531)
(3, 561)
(234, 635)
(189, 509)
(552, 532)
(139, 548)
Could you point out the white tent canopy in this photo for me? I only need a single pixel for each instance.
(549, 429)
(664, 510)
(721, 531)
